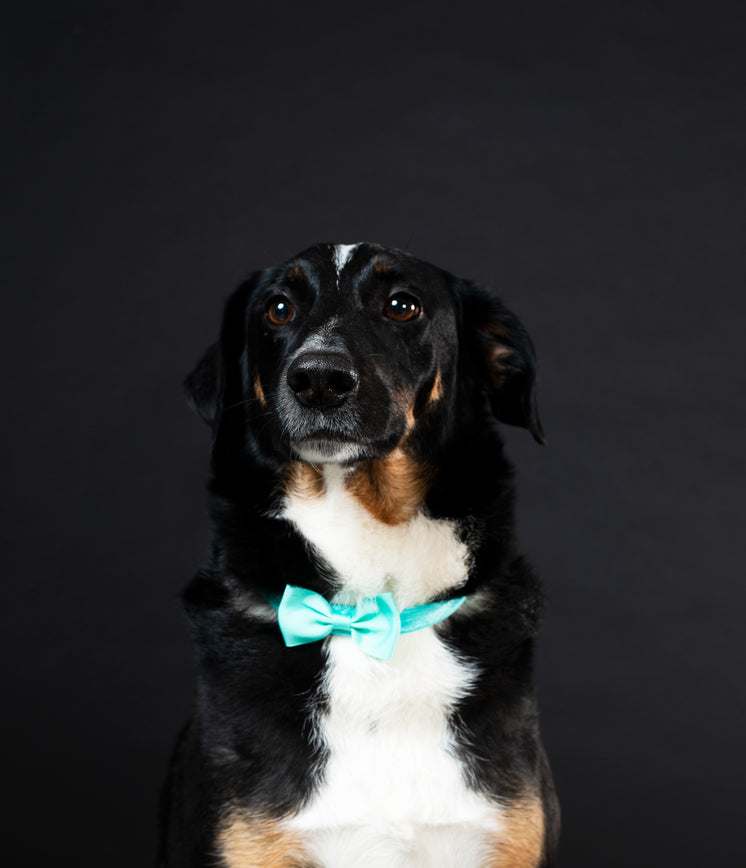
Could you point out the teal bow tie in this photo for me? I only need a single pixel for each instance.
(374, 625)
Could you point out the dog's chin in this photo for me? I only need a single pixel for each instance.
(316, 450)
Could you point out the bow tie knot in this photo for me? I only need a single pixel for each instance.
(305, 616)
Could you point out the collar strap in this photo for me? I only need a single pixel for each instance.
(374, 624)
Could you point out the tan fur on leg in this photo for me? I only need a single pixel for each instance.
(256, 842)
(521, 845)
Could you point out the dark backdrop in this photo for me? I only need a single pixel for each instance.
(586, 159)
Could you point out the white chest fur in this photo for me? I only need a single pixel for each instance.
(414, 560)
(393, 791)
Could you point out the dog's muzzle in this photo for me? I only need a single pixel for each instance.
(322, 380)
(322, 409)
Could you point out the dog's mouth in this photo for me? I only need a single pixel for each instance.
(342, 439)
(322, 436)
(323, 450)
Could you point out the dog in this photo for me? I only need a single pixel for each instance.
(364, 624)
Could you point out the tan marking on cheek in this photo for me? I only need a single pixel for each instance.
(521, 844)
(259, 391)
(303, 480)
(436, 393)
(405, 405)
(410, 420)
(246, 842)
(391, 489)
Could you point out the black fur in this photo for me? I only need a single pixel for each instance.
(249, 740)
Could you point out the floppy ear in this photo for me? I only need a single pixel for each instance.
(204, 386)
(506, 355)
(218, 371)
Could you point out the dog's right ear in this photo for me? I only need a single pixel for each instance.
(204, 386)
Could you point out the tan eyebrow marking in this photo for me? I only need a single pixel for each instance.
(295, 274)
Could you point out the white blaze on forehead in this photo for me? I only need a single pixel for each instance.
(342, 253)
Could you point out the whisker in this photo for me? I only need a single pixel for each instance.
(240, 404)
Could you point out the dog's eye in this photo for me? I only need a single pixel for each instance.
(280, 311)
(403, 307)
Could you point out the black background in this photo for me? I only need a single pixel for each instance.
(586, 159)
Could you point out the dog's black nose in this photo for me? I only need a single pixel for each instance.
(322, 380)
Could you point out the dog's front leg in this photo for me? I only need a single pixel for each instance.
(523, 841)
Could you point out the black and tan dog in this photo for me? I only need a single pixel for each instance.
(364, 625)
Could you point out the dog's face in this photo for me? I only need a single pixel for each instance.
(349, 345)
(349, 352)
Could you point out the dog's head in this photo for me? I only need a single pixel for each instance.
(350, 352)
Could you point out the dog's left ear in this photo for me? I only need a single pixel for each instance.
(506, 354)
(204, 385)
